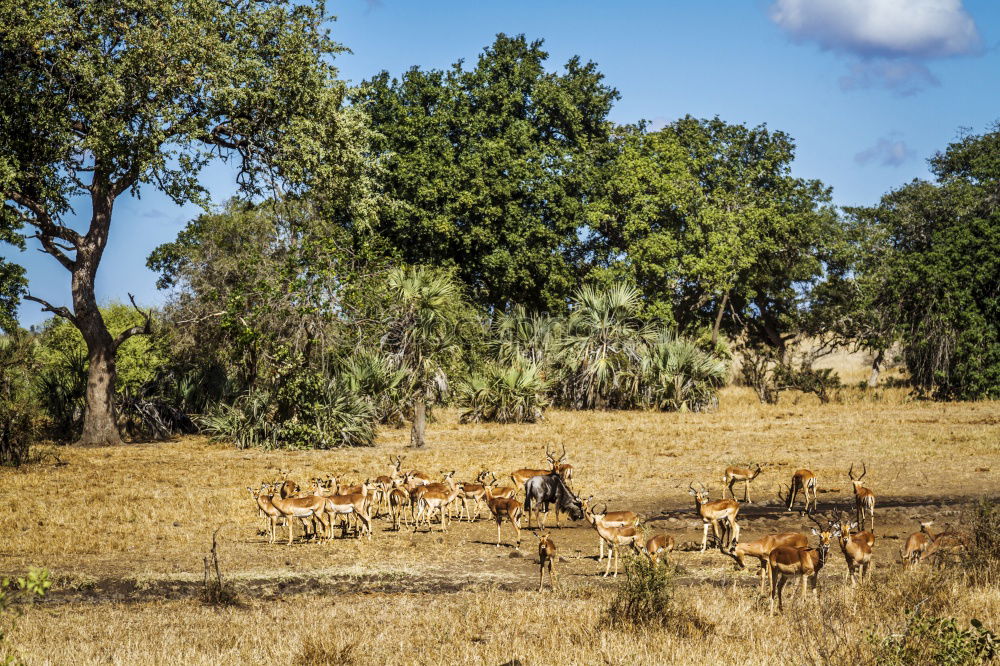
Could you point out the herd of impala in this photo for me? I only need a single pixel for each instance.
(410, 498)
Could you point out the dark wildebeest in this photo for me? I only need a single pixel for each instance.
(540, 491)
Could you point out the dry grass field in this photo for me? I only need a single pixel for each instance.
(124, 532)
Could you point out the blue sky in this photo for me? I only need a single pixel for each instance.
(868, 88)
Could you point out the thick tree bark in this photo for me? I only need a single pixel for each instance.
(100, 426)
(419, 423)
(876, 369)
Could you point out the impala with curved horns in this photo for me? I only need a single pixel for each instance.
(864, 499)
(616, 537)
(785, 562)
(519, 477)
(612, 519)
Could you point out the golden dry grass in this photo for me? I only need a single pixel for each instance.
(144, 514)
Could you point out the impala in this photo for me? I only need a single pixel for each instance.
(286, 488)
(399, 499)
(784, 562)
(505, 507)
(504, 492)
(475, 492)
(520, 476)
(657, 546)
(266, 509)
(418, 492)
(864, 499)
(546, 556)
(805, 481)
(345, 505)
(762, 547)
(302, 508)
(616, 537)
(612, 519)
(712, 512)
(856, 549)
(944, 544)
(736, 474)
(916, 544)
(419, 478)
(435, 500)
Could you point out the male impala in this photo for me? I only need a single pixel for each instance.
(546, 556)
(762, 547)
(864, 499)
(916, 544)
(712, 512)
(805, 481)
(658, 546)
(522, 475)
(418, 478)
(505, 508)
(736, 474)
(504, 492)
(616, 537)
(857, 551)
(613, 519)
(784, 562)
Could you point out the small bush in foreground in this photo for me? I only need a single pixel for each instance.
(647, 597)
(938, 640)
(35, 584)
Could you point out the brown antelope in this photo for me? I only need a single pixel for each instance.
(864, 499)
(436, 500)
(856, 549)
(613, 519)
(355, 504)
(418, 492)
(616, 537)
(546, 556)
(266, 509)
(658, 546)
(944, 544)
(503, 492)
(505, 508)
(418, 478)
(784, 562)
(301, 508)
(805, 481)
(762, 547)
(565, 470)
(399, 500)
(712, 512)
(474, 492)
(522, 475)
(736, 474)
(286, 488)
(916, 544)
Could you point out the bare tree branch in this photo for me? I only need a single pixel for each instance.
(54, 309)
(145, 329)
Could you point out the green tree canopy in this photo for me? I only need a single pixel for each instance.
(488, 169)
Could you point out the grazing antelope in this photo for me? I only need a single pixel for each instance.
(736, 474)
(436, 500)
(266, 509)
(712, 512)
(475, 492)
(805, 481)
(546, 555)
(541, 491)
(784, 562)
(943, 544)
(856, 549)
(916, 544)
(864, 499)
(519, 477)
(657, 546)
(762, 547)
(302, 508)
(612, 519)
(505, 507)
(616, 537)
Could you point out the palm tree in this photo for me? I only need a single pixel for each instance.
(600, 353)
(519, 336)
(424, 329)
(679, 376)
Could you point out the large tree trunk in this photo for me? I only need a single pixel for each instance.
(100, 427)
(876, 369)
(419, 423)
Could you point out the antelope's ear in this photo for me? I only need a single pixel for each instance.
(692, 492)
(854, 526)
(815, 531)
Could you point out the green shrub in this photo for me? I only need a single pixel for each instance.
(20, 413)
(503, 394)
(377, 378)
(647, 597)
(937, 640)
(25, 588)
(679, 376)
(62, 388)
(981, 556)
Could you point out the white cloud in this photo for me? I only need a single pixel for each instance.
(887, 151)
(881, 28)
